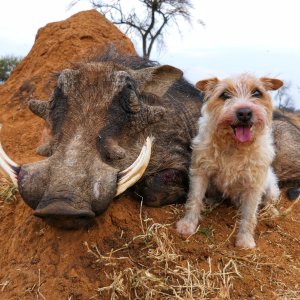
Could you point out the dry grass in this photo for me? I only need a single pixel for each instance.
(154, 264)
(271, 212)
(284, 292)
(170, 275)
(7, 191)
(4, 284)
(290, 208)
(36, 288)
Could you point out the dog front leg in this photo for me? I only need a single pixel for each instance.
(249, 206)
(194, 204)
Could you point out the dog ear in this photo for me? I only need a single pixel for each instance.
(271, 84)
(207, 84)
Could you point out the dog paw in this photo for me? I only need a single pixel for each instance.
(185, 227)
(245, 241)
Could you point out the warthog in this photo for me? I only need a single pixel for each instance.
(101, 113)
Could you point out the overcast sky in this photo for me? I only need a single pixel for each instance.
(257, 36)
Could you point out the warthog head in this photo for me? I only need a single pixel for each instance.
(98, 114)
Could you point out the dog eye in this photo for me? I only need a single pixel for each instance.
(225, 95)
(256, 93)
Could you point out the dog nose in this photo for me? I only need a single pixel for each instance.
(244, 114)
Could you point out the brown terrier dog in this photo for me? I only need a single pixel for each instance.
(233, 151)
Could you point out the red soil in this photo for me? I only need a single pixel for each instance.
(38, 261)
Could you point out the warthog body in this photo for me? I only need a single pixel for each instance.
(287, 145)
(100, 113)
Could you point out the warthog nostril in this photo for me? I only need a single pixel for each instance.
(59, 209)
(244, 114)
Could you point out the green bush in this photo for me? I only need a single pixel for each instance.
(7, 64)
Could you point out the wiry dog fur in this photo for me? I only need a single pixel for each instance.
(233, 151)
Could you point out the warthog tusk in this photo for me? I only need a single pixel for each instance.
(133, 173)
(8, 166)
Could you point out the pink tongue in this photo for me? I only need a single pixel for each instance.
(243, 134)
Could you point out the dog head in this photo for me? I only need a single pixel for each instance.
(240, 107)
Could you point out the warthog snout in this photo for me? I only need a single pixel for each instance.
(69, 191)
(62, 213)
(62, 197)
(32, 182)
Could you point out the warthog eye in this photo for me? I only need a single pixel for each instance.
(128, 97)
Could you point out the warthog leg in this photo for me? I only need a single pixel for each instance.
(165, 187)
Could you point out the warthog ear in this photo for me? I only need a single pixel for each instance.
(207, 84)
(271, 84)
(157, 80)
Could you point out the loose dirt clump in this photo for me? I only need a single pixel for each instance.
(132, 251)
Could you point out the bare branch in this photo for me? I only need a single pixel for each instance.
(155, 36)
(150, 25)
(284, 98)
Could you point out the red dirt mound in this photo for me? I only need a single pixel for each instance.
(127, 254)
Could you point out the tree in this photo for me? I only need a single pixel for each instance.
(284, 98)
(149, 26)
(7, 64)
